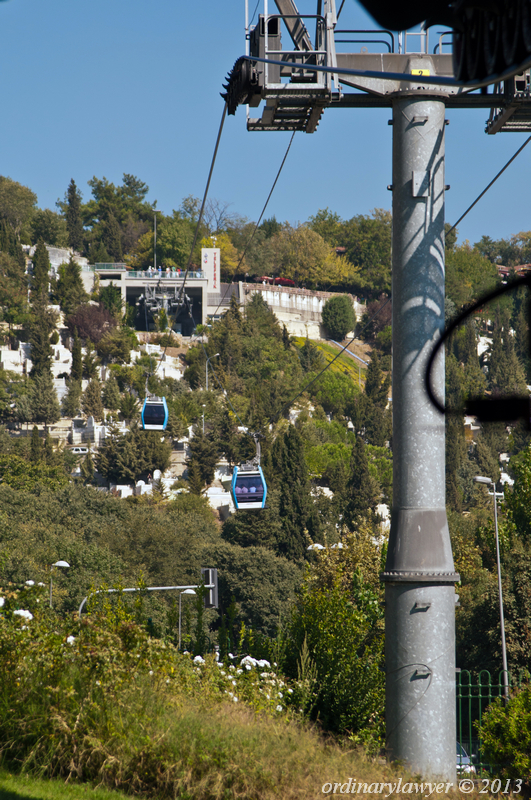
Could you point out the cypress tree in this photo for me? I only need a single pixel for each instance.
(74, 222)
(195, 481)
(51, 457)
(42, 324)
(41, 268)
(204, 453)
(44, 402)
(106, 459)
(87, 468)
(455, 435)
(362, 489)
(71, 405)
(69, 288)
(76, 371)
(112, 238)
(90, 366)
(91, 403)
(111, 394)
(10, 244)
(376, 388)
(35, 446)
(294, 503)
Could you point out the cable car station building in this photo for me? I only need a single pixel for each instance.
(202, 286)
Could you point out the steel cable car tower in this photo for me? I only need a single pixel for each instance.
(296, 85)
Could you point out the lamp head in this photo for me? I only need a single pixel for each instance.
(482, 479)
(61, 564)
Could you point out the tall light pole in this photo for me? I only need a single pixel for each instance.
(208, 359)
(186, 591)
(63, 564)
(490, 482)
(204, 417)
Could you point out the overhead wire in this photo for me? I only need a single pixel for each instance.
(307, 386)
(486, 189)
(198, 224)
(378, 311)
(257, 224)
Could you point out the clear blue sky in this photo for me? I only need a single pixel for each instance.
(112, 86)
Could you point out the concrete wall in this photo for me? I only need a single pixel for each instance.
(299, 309)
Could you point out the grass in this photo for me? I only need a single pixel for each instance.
(25, 787)
(345, 363)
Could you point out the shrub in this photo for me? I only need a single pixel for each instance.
(338, 316)
(506, 736)
(336, 632)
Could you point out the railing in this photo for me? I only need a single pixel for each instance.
(142, 274)
(156, 275)
(117, 267)
(474, 693)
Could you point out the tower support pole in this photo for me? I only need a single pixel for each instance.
(419, 574)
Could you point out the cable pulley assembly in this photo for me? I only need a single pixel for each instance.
(242, 85)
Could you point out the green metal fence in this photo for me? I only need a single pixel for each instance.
(474, 693)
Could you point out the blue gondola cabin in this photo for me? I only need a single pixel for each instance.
(248, 488)
(155, 414)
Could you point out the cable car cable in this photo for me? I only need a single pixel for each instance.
(356, 336)
(248, 242)
(199, 220)
(478, 198)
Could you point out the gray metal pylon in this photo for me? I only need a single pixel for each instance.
(419, 573)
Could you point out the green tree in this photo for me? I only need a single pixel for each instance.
(338, 316)
(69, 289)
(115, 346)
(328, 225)
(74, 221)
(17, 203)
(368, 246)
(13, 291)
(71, 405)
(455, 436)
(91, 403)
(90, 362)
(312, 360)
(111, 394)
(334, 639)
(112, 237)
(44, 402)
(36, 446)
(76, 371)
(203, 453)
(43, 322)
(129, 406)
(195, 481)
(110, 298)
(295, 509)
(48, 226)
(468, 274)
(41, 268)
(87, 468)
(376, 385)
(362, 489)
(51, 457)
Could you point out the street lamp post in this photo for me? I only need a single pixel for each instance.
(204, 417)
(63, 564)
(490, 482)
(207, 361)
(186, 591)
